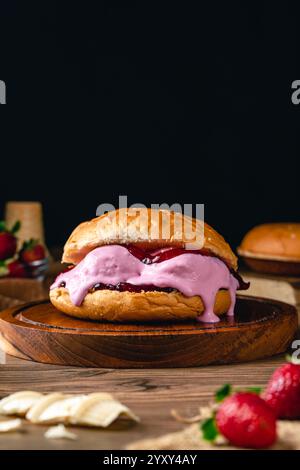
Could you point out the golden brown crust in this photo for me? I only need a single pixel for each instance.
(276, 241)
(115, 306)
(137, 227)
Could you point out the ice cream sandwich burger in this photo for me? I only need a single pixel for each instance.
(142, 265)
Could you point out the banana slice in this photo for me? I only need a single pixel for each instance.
(35, 414)
(59, 432)
(10, 425)
(60, 410)
(19, 403)
(99, 410)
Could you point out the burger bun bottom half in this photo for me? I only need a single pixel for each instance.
(115, 306)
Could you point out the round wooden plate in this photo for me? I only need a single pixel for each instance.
(39, 332)
(270, 266)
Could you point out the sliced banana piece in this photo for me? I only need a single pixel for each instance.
(59, 432)
(36, 412)
(19, 403)
(98, 410)
(10, 425)
(55, 410)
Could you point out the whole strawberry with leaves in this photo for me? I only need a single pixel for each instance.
(8, 241)
(31, 251)
(243, 418)
(283, 391)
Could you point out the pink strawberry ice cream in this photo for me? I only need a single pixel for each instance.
(191, 274)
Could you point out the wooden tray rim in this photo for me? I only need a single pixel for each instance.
(149, 329)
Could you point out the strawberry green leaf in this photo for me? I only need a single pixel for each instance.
(16, 227)
(2, 226)
(256, 390)
(223, 392)
(29, 244)
(209, 429)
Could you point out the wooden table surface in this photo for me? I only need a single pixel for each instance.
(150, 393)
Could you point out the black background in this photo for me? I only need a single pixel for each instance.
(163, 102)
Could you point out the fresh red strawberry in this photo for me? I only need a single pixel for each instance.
(283, 391)
(8, 241)
(32, 251)
(243, 418)
(17, 269)
(8, 245)
(246, 421)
